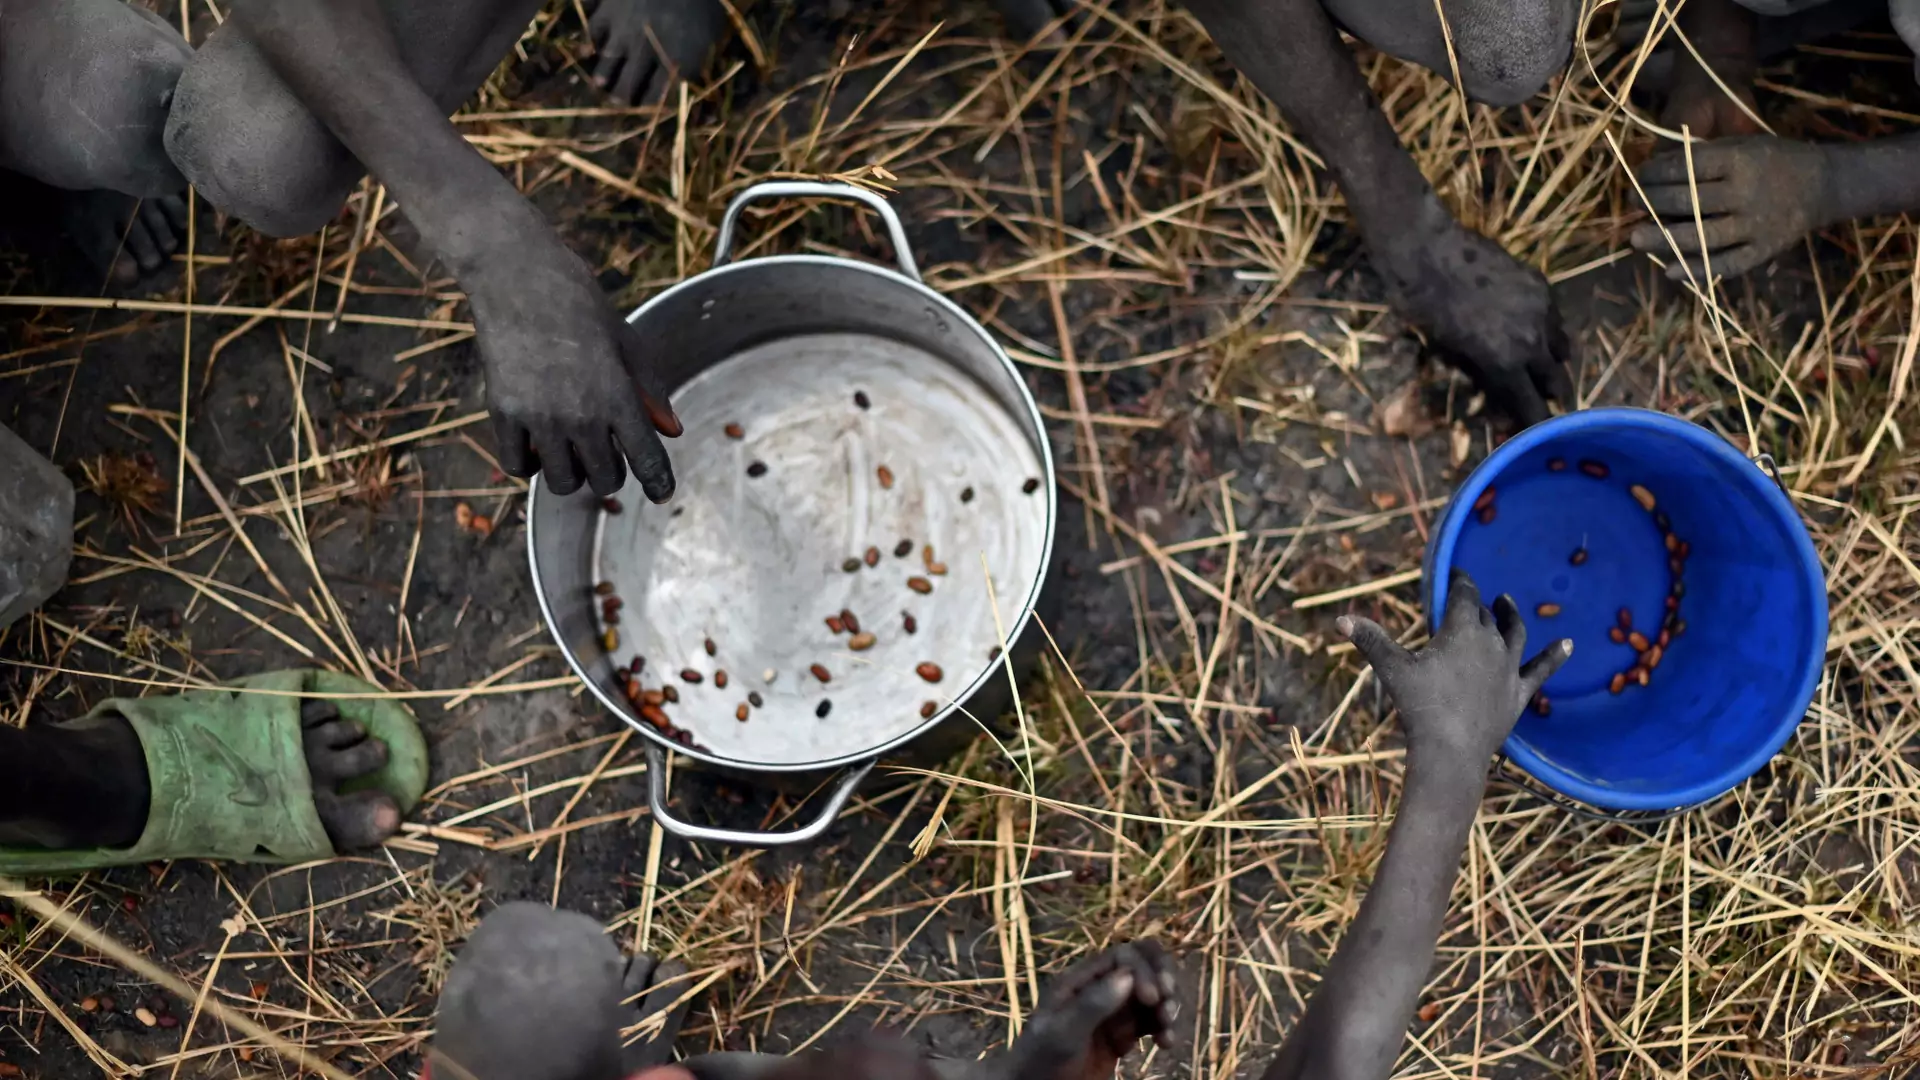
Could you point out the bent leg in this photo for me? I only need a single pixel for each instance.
(255, 150)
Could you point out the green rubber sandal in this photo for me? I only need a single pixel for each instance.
(229, 774)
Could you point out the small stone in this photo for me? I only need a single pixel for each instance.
(768, 676)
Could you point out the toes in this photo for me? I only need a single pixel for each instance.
(607, 66)
(315, 711)
(634, 77)
(340, 750)
(140, 244)
(360, 820)
(664, 985)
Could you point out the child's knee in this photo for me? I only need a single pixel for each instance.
(1509, 55)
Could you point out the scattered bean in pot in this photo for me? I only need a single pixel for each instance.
(1542, 706)
(820, 672)
(1676, 566)
(907, 622)
(821, 710)
(740, 713)
(934, 566)
(1653, 657)
(1673, 599)
(605, 588)
(1642, 496)
(1641, 675)
(671, 694)
(610, 504)
(1661, 521)
(860, 642)
(1673, 543)
(1679, 628)
(928, 670)
(873, 556)
(768, 676)
(652, 715)
(709, 646)
(1485, 500)
(927, 709)
(1626, 618)
(652, 697)
(758, 468)
(849, 620)
(860, 399)
(1546, 611)
(1665, 636)
(735, 431)
(1638, 640)
(885, 476)
(1596, 469)
(610, 640)
(850, 565)
(1032, 485)
(720, 679)
(1618, 635)
(920, 585)
(1487, 514)
(966, 495)
(1618, 684)
(689, 675)
(903, 549)
(754, 699)
(1556, 464)
(639, 665)
(1579, 557)
(610, 616)
(836, 624)
(993, 654)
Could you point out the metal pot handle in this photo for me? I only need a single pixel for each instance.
(687, 830)
(813, 189)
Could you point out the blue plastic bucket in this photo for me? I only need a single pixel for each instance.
(1734, 681)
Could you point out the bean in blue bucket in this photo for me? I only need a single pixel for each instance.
(1730, 690)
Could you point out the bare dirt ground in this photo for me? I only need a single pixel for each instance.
(1254, 447)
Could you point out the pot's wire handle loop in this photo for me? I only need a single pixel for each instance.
(813, 189)
(687, 830)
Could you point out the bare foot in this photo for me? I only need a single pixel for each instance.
(644, 45)
(1698, 105)
(1758, 196)
(85, 86)
(1096, 1014)
(120, 236)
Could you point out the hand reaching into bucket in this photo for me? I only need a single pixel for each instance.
(1460, 695)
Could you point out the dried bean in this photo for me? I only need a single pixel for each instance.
(612, 603)
(1641, 675)
(1556, 464)
(927, 709)
(1643, 497)
(860, 399)
(1638, 640)
(671, 694)
(754, 699)
(928, 671)
(993, 654)
(610, 617)
(1596, 469)
(1542, 706)
(1546, 611)
(652, 714)
(1626, 618)
(1618, 684)
(1679, 628)
(758, 468)
(966, 495)
(652, 697)
(689, 675)
(885, 476)
(1679, 590)
(903, 549)
(1032, 485)
(735, 431)
(639, 665)
(1673, 543)
(610, 641)
(1486, 515)
(610, 504)
(1676, 566)
(1579, 557)
(740, 713)
(920, 585)
(768, 676)
(1673, 600)
(1652, 659)
(850, 621)
(836, 624)
(709, 646)
(907, 622)
(683, 737)
(720, 679)
(1485, 500)
(850, 565)
(1665, 637)
(1686, 549)
(860, 642)
(1618, 635)
(821, 710)
(873, 556)
(820, 672)
(605, 588)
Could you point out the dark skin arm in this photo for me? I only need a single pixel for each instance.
(1487, 314)
(572, 391)
(1457, 698)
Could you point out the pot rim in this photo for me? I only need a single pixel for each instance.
(1013, 631)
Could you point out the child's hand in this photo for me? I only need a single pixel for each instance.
(1460, 695)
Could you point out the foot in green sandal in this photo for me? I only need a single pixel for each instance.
(257, 772)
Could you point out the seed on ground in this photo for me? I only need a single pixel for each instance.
(1542, 706)
(1638, 640)
(821, 710)
(735, 431)
(860, 398)
(1626, 618)
(754, 699)
(920, 585)
(927, 709)
(610, 504)
(605, 588)
(849, 620)
(1547, 610)
(741, 712)
(836, 624)
(1596, 469)
(860, 642)
(671, 694)
(690, 675)
(903, 549)
(850, 565)
(1485, 500)
(720, 679)
(1556, 464)
(610, 641)
(885, 476)
(1032, 485)
(872, 556)
(907, 622)
(966, 494)
(1486, 515)
(709, 646)
(928, 670)
(1618, 635)
(1618, 684)
(820, 672)
(1643, 497)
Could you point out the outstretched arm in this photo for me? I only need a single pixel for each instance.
(1458, 698)
(569, 388)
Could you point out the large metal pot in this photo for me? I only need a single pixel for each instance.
(833, 368)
